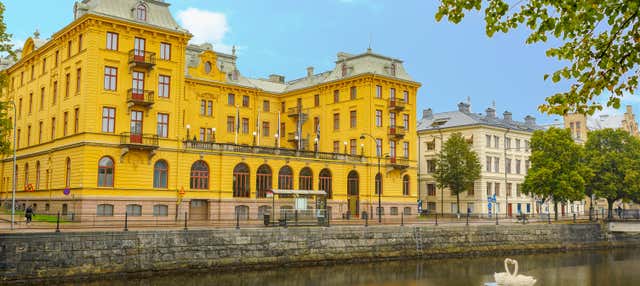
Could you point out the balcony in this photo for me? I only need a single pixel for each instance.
(396, 104)
(139, 97)
(398, 163)
(138, 141)
(142, 59)
(397, 132)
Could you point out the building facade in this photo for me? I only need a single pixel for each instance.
(502, 145)
(118, 112)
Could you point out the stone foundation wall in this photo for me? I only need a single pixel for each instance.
(44, 256)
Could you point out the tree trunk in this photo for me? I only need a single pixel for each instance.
(458, 203)
(555, 210)
(610, 205)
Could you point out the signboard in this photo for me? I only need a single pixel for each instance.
(489, 207)
(66, 191)
(419, 206)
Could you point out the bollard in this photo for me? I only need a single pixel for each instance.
(238, 220)
(402, 219)
(58, 223)
(185, 221)
(436, 218)
(366, 220)
(574, 218)
(126, 217)
(467, 219)
(295, 216)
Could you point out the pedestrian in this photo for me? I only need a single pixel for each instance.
(28, 213)
(619, 212)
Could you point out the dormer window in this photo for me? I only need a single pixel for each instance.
(344, 70)
(141, 12)
(207, 67)
(393, 69)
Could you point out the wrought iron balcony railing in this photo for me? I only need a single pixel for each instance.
(396, 104)
(142, 58)
(140, 97)
(139, 140)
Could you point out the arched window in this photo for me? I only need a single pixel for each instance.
(67, 174)
(242, 212)
(160, 174)
(305, 180)
(104, 210)
(160, 210)
(405, 185)
(326, 183)
(141, 12)
(105, 172)
(200, 175)
(26, 175)
(37, 186)
(379, 184)
(241, 180)
(263, 181)
(352, 183)
(285, 178)
(134, 210)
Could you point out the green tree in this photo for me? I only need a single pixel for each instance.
(5, 124)
(556, 171)
(614, 158)
(600, 39)
(458, 166)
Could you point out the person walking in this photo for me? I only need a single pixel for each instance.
(28, 213)
(619, 212)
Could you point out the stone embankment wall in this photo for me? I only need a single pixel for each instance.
(45, 256)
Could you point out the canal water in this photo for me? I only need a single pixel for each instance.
(585, 268)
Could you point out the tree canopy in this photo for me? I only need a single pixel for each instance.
(556, 171)
(5, 124)
(614, 158)
(600, 40)
(458, 166)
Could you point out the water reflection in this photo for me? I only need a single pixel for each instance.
(587, 268)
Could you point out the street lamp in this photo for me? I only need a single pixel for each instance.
(13, 194)
(315, 147)
(378, 188)
(275, 143)
(188, 127)
(254, 138)
(345, 147)
(213, 135)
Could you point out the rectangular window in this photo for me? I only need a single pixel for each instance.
(378, 147)
(209, 134)
(203, 132)
(489, 189)
(53, 128)
(488, 164)
(316, 100)
(203, 107)
(405, 96)
(28, 135)
(316, 124)
(65, 123)
(507, 143)
(488, 139)
(30, 102)
(231, 124)
(336, 121)
(20, 109)
(110, 78)
(33, 72)
(18, 139)
(163, 125)
(336, 146)
(431, 166)
(378, 118)
(496, 142)
(578, 135)
(392, 119)
(245, 101)
(266, 106)
(209, 108)
(378, 91)
(336, 96)
(265, 128)
(405, 121)
(79, 43)
(40, 132)
(67, 85)
(282, 107)
(108, 119)
(526, 145)
(353, 119)
(508, 191)
(354, 92)
(165, 51)
(405, 149)
(231, 99)
(354, 146)
(44, 65)
(245, 125)
(78, 76)
(392, 94)
(507, 165)
(164, 84)
(69, 49)
(112, 41)
(517, 166)
(283, 129)
(496, 165)
(21, 78)
(431, 189)
(518, 144)
(496, 188)
(76, 120)
(55, 91)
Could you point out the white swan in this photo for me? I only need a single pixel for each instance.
(509, 279)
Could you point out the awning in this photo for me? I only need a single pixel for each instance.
(298, 192)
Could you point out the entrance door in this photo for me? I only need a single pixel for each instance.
(509, 209)
(136, 126)
(137, 86)
(353, 193)
(562, 210)
(138, 52)
(198, 209)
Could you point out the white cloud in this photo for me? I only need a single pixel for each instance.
(206, 26)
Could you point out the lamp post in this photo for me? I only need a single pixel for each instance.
(315, 144)
(13, 188)
(275, 143)
(376, 187)
(213, 135)
(345, 147)
(188, 127)
(254, 138)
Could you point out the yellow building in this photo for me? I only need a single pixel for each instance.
(118, 112)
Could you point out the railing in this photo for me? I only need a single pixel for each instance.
(142, 57)
(226, 147)
(294, 111)
(399, 131)
(399, 163)
(396, 103)
(140, 96)
(138, 139)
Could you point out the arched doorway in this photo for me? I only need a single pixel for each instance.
(305, 179)
(285, 178)
(353, 193)
(263, 181)
(241, 181)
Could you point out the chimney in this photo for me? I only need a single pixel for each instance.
(491, 113)
(427, 113)
(276, 78)
(463, 107)
(507, 116)
(629, 109)
(530, 121)
(309, 71)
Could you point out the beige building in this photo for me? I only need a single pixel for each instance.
(502, 145)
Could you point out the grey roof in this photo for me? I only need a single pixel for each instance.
(613, 121)
(158, 13)
(464, 117)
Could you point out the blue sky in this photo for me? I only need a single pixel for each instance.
(452, 62)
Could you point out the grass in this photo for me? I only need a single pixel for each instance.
(36, 217)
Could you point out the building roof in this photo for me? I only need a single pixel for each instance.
(464, 117)
(613, 121)
(158, 13)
